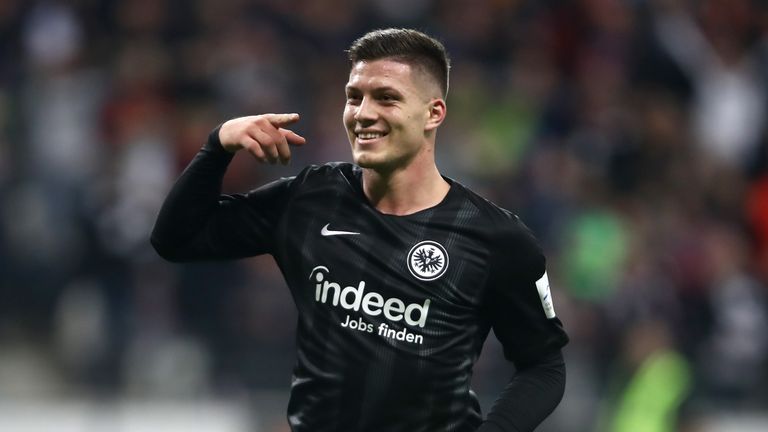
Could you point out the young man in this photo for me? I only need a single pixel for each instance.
(398, 273)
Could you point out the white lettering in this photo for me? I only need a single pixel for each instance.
(319, 276)
(372, 303)
(402, 335)
(336, 291)
(373, 299)
(358, 296)
(359, 325)
(394, 308)
(423, 311)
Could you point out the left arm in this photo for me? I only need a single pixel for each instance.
(531, 395)
(519, 306)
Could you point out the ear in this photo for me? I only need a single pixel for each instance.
(436, 115)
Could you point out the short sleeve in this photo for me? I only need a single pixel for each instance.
(518, 299)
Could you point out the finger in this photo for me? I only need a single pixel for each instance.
(267, 144)
(292, 137)
(282, 119)
(254, 149)
(280, 143)
(283, 151)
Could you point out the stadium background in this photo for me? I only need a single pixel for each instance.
(629, 134)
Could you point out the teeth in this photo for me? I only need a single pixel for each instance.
(370, 135)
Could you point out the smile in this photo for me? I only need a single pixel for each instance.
(369, 136)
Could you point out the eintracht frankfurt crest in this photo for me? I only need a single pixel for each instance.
(428, 260)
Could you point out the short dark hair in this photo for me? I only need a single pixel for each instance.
(407, 45)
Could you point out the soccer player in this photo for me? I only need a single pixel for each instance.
(398, 272)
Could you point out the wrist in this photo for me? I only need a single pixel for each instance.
(224, 140)
(214, 143)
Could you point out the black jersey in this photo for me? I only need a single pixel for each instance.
(392, 310)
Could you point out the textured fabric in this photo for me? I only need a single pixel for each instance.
(530, 396)
(393, 310)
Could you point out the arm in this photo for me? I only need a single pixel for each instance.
(531, 395)
(197, 222)
(520, 308)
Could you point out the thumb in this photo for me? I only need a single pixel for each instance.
(282, 119)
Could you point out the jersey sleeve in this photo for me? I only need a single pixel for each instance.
(197, 222)
(244, 224)
(518, 300)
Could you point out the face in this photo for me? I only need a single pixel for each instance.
(389, 114)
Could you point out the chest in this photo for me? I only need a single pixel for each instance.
(336, 239)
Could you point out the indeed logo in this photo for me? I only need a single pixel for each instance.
(372, 303)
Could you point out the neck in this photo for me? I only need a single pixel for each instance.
(406, 190)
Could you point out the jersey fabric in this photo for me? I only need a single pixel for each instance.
(392, 310)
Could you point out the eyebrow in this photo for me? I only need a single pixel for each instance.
(384, 88)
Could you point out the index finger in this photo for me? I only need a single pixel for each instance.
(282, 119)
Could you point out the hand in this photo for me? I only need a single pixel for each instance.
(262, 135)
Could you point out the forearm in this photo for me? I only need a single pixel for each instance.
(191, 202)
(531, 395)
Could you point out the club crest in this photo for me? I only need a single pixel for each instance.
(427, 260)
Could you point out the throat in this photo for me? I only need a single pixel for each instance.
(400, 195)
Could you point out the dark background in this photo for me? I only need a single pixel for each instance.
(629, 135)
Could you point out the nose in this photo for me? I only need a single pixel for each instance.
(365, 112)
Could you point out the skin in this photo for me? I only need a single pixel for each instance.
(403, 102)
(384, 96)
(263, 136)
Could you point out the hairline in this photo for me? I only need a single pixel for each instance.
(414, 64)
(405, 45)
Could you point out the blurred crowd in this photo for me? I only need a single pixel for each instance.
(630, 135)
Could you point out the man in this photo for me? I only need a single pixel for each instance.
(398, 273)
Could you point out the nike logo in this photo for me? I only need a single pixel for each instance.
(325, 232)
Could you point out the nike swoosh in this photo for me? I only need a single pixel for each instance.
(326, 232)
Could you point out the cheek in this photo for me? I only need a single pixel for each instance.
(345, 117)
(348, 116)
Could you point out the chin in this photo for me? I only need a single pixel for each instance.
(368, 161)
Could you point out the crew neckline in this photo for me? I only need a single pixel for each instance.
(358, 186)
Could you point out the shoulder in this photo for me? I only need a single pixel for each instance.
(321, 182)
(501, 221)
(328, 169)
(323, 174)
(512, 244)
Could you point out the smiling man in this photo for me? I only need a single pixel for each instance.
(398, 273)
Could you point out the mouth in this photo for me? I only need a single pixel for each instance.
(369, 136)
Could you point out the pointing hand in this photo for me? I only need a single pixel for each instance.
(262, 135)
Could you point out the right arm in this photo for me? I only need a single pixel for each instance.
(196, 222)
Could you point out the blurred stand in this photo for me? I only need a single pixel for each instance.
(630, 136)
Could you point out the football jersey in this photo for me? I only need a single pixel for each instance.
(392, 310)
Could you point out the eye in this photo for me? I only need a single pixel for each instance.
(388, 98)
(353, 99)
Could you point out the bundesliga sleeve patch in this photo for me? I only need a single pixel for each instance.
(542, 285)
